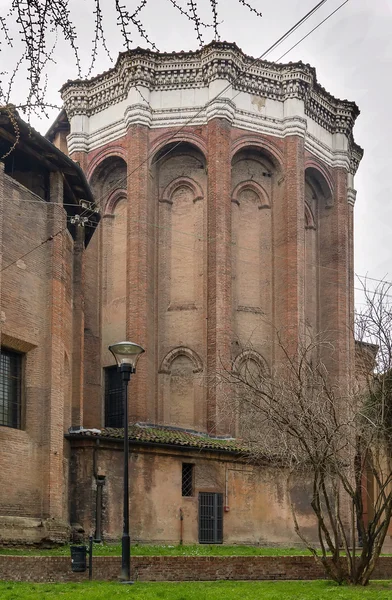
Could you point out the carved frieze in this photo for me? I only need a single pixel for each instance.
(198, 69)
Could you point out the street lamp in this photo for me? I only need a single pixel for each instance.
(126, 355)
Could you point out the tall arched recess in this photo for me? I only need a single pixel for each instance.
(181, 389)
(250, 368)
(318, 203)
(104, 274)
(180, 182)
(253, 185)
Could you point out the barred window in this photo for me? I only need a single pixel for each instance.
(10, 388)
(114, 410)
(187, 479)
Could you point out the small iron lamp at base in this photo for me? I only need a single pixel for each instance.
(126, 355)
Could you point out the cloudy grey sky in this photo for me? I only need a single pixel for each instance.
(352, 53)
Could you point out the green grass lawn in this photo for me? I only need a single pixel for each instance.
(266, 590)
(148, 550)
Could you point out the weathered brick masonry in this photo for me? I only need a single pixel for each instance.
(38, 320)
(174, 568)
(226, 191)
(215, 233)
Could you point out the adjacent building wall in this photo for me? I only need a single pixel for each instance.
(257, 508)
(36, 320)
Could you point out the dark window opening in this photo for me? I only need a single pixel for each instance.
(114, 410)
(10, 388)
(187, 479)
(210, 518)
(26, 170)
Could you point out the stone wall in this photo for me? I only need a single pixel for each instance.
(257, 509)
(174, 568)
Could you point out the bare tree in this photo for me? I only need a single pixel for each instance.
(338, 436)
(42, 23)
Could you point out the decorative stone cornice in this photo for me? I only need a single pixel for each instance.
(218, 60)
(356, 154)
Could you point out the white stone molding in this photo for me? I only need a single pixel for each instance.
(294, 126)
(138, 114)
(218, 60)
(178, 86)
(222, 108)
(78, 142)
(176, 118)
(351, 196)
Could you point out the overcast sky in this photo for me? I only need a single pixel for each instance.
(352, 53)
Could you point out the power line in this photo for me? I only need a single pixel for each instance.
(234, 245)
(48, 239)
(312, 30)
(205, 106)
(265, 53)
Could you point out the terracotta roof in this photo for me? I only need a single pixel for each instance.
(165, 435)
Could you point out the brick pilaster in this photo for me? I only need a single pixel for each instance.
(289, 245)
(81, 158)
(54, 418)
(219, 300)
(336, 299)
(78, 328)
(1, 240)
(140, 273)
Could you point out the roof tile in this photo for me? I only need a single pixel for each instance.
(168, 435)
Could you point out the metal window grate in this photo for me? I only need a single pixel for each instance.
(210, 518)
(114, 409)
(187, 479)
(10, 388)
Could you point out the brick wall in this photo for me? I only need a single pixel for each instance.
(249, 270)
(174, 568)
(225, 244)
(36, 320)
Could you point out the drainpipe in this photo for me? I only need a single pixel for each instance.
(181, 527)
(226, 507)
(98, 508)
(100, 481)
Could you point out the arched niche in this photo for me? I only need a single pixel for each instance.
(108, 181)
(113, 198)
(250, 356)
(108, 176)
(251, 368)
(319, 179)
(193, 186)
(310, 222)
(256, 188)
(318, 205)
(181, 351)
(179, 183)
(254, 181)
(181, 389)
(264, 147)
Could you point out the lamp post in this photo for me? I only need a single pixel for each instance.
(126, 355)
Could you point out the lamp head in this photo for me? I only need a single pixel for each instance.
(126, 353)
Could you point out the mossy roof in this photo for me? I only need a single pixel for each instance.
(167, 436)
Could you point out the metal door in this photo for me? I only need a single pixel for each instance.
(210, 518)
